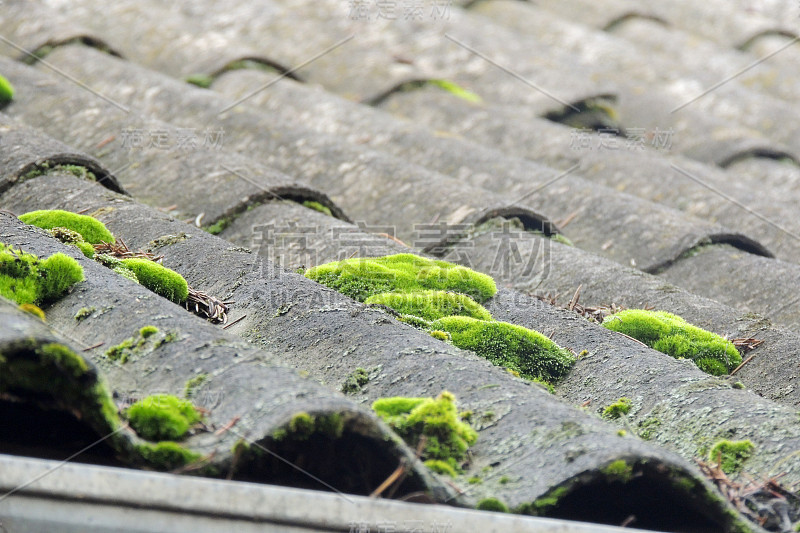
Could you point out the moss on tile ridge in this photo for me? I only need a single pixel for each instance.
(515, 347)
(672, 335)
(26, 279)
(431, 305)
(158, 278)
(447, 437)
(456, 90)
(365, 277)
(90, 229)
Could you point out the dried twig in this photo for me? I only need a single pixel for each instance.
(228, 426)
(120, 250)
(735, 370)
(226, 326)
(202, 304)
(747, 344)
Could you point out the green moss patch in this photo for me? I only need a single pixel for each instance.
(431, 305)
(672, 335)
(167, 455)
(6, 91)
(357, 379)
(492, 504)
(618, 470)
(617, 409)
(303, 425)
(362, 278)
(159, 279)
(316, 206)
(148, 331)
(447, 438)
(162, 417)
(456, 90)
(520, 349)
(33, 310)
(193, 384)
(731, 455)
(92, 230)
(26, 279)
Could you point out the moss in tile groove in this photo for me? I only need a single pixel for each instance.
(672, 335)
(526, 351)
(90, 229)
(316, 206)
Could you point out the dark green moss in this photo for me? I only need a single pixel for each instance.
(162, 417)
(357, 379)
(492, 504)
(219, 226)
(672, 335)
(92, 230)
(520, 349)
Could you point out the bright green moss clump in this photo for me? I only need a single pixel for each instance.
(523, 350)
(6, 91)
(431, 305)
(446, 436)
(158, 279)
(730, 455)
(362, 278)
(162, 417)
(617, 409)
(148, 331)
(672, 335)
(92, 230)
(26, 279)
